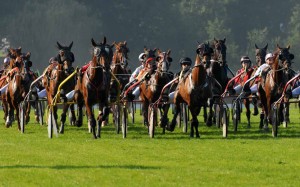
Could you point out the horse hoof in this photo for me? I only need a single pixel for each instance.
(78, 123)
(255, 112)
(209, 123)
(37, 119)
(266, 128)
(170, 128)
(104, 123)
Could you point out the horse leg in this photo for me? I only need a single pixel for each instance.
(210, 114)
(254, 102)
(172, 125)
(79, 100)
(145, 113)
(10, 111)
(27, 112)
(63, 119)
(286, 113)
(247, 106)
(164, 118)
(91, 119)
(103, 114)
(195, 110)
(205, 112)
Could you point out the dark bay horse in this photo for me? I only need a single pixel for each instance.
(18, 86)
(272, 84)
(54, 74)
(93, 87)
(151, 89)
(194, 89)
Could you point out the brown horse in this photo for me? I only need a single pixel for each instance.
(92, 87)
(119, 68)
(151, 89)
(13, 53)
(18, 86)
(194, 89)
(54, 74)
(272, 84)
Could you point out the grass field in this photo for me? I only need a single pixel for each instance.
(247, 158)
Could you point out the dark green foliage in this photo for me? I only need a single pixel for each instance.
(169, 24)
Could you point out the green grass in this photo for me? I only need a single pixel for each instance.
(247, 158)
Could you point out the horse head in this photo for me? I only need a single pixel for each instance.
(102, 53)
(284, 55)
(65, 56)
(150, 54)
(121, 54)
(220, 49)
(163, 60)
(204, 53)
(14, 56)
(260, 54)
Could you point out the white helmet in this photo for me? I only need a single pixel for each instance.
(141, 57)
(6, 60)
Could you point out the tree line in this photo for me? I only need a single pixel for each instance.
(168, 24)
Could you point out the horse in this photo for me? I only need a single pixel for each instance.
(272, 84)
(194, 89)
(151, 89)
(18, 86)
(12, 54)
(119, 68)
(54, 74)
(93, 86)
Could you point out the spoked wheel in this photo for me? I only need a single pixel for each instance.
(185, 117)
(225, 122)
(236, 113)
(152, 118)
(22, 116)
(124, 121)
(275, 121)
(40, 111)
(52, 126)
(117, 117)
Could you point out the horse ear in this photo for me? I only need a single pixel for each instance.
(125, 43)
(224, 40)
(93, 42)
(158, 51)
(169, 52)
(277, 46)
(28, 55)
(19, 49)
(71, 44)
(256, 46)
(58, 45)
(288, 47)
(104, 40)
(215, 39)
(266, 47)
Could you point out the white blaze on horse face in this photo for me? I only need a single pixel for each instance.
(191, 84)
(15, 86)
(152, 83)
(164, 67)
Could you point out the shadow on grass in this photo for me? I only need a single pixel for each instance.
(62, 167)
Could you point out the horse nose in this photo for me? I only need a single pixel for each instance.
(164, 67)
